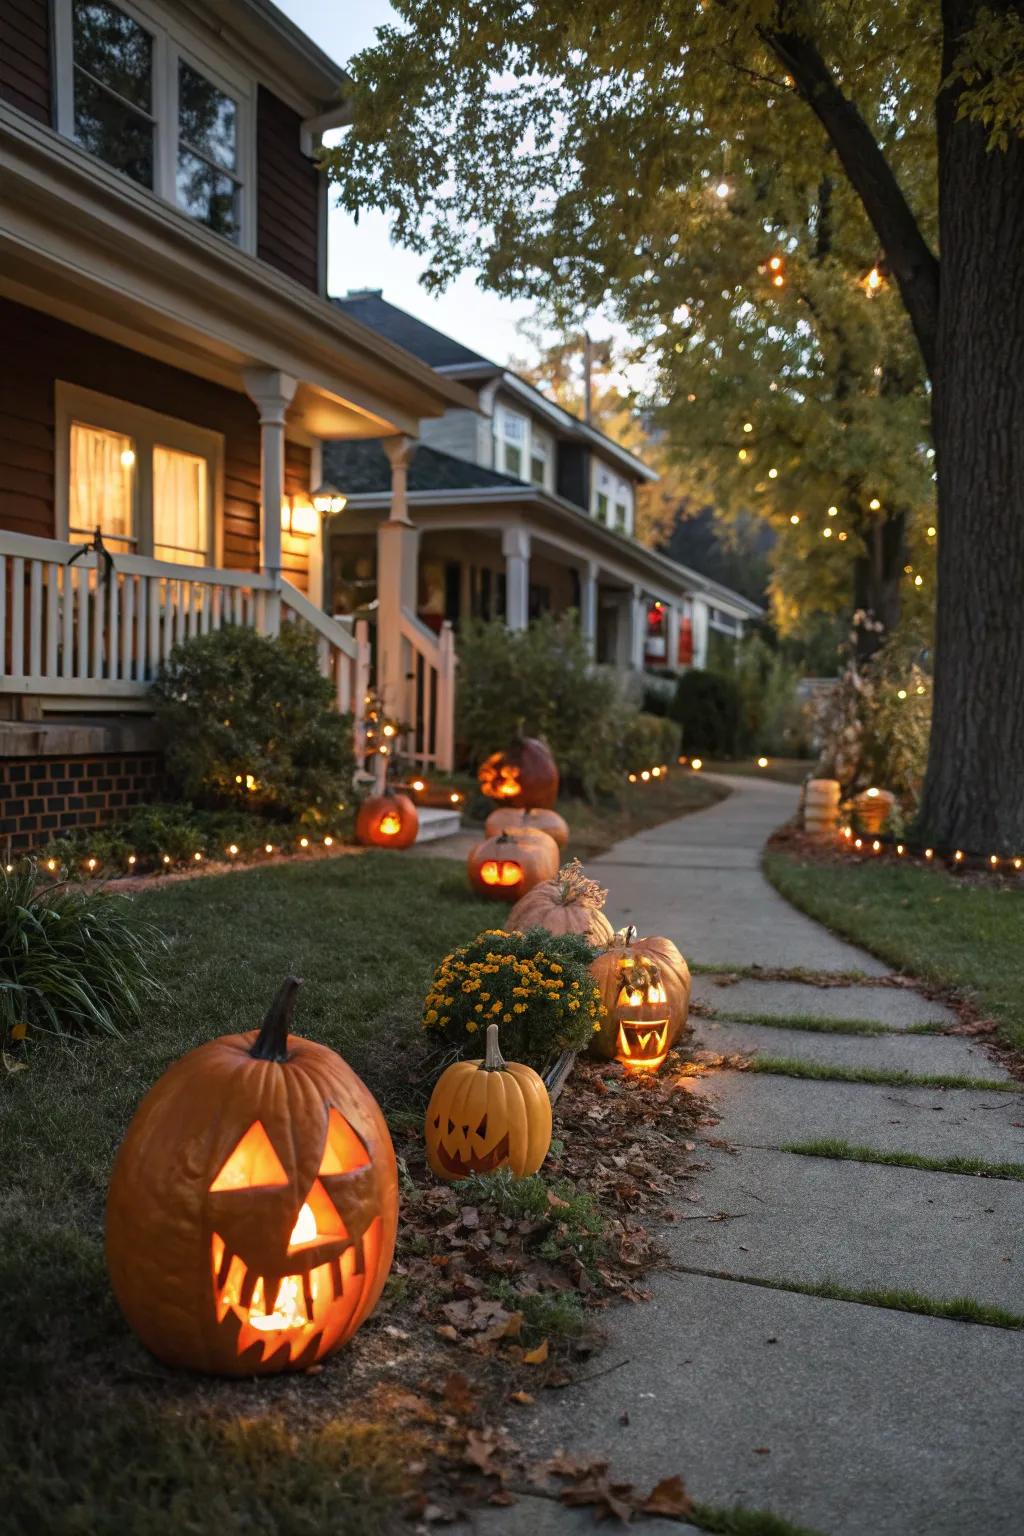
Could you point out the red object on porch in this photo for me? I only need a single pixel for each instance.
(685, 658)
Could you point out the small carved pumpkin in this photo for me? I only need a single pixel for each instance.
(571, 903)
(387, 821)
(645, 989)
(508, 819)
(488, 1114)
(506, 866)
(253, 1204)
(522, 777)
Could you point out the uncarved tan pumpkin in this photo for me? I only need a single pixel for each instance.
(506, 818)
(507, 866)
(571, 903)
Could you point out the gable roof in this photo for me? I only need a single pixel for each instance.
(422, 340)
(361, 468)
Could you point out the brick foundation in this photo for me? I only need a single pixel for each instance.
(42, 797)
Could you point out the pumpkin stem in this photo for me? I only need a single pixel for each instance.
(493, 1059)
(628, 935)
(271, 1044)
(575, 885)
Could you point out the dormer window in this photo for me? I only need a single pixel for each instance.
(604, 489)
(135, 90)
(510, 445)
(542, 456)
(612, 499)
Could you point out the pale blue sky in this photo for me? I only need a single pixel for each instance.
(361, 255)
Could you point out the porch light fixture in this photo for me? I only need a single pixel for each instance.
(328, 500)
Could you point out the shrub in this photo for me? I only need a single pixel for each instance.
(648, 740)
(773, 718)
(536, 986)
(540, 680)
(707, 707)
(249, 721)
(148, 834)
(72, 961)
(873, 727)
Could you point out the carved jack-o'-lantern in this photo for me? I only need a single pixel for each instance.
(488, 1114)
(506, 866)
(387, 821)
(523, 776)
(645, 988)
(253, 1205)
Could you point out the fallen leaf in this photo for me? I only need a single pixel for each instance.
(537, 1356)
(458, 1395)
(522, 1397)
(669, 1498)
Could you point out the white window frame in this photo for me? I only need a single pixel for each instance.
(502, 415)
(172, 41)
(542, 445)
(623, 506)
(602, 484)
(147, 429)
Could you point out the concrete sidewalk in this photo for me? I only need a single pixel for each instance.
(846, 1418)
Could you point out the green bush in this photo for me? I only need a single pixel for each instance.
(647, 741)
(873, 726)
(535, 986)
(773, 719)
(72, 961)
(249, 721)
(707, 707)
(152, 835)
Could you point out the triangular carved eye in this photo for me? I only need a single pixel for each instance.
(344, 1152)
(252, 1164)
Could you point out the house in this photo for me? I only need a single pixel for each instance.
(518, 508)
(171, 365)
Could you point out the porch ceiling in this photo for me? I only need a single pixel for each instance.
(88, 246)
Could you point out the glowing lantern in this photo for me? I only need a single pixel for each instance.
(508, 819)
(253, 1205)
(873, 809)
(507, 866)
(524, 776)
(645, 988)
(387, 821)
(488, 1114)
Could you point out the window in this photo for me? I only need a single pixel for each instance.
(134, 90)
(511, 431)
(612, 499)
(148, 482)
(541, 458)
(604, 485)
(623, 506)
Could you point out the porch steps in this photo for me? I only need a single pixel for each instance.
(437, 822)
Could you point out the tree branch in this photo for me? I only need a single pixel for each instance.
(912, 262)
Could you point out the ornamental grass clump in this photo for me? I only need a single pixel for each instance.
(72, 961)
(536, 986)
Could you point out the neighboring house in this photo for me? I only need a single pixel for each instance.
(518, 508)
(170, 367)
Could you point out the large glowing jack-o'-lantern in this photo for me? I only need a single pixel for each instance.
(506, 866)
(645, 989)
(523, 776)
(387, 821)
(488, 1114)
(253, 1205)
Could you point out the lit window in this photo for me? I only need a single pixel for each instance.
(540, 458)
(623, 506)
(101, 485)
(180, 506)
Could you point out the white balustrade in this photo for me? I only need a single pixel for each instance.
(428, 706)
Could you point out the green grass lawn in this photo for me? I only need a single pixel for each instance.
(966, 938)
(100, 1438)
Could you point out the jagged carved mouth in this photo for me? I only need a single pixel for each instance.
(292, 1317)
(485, 1162)
(642, 1044)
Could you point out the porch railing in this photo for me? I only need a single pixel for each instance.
(428, 706)
(65, 632)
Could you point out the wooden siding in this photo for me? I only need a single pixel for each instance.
(42, 351)
(25, 57)
(288, 194)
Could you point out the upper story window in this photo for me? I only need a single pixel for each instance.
(604, 488)
(511, 442)
(134, 91)
(542, 458)
(612, 499)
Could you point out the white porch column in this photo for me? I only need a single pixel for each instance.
(672, 619)
(637, 628)
(515, 546)
(700, 633)
(397, 574)
(588, 604)
(272, 393)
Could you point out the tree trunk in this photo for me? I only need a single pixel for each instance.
(974, 789)
(877, 577)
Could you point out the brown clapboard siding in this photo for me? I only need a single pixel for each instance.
(287, 194)
(25, 70)
(42, 350)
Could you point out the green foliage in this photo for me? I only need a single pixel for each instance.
(873, 727)
(773, 719)
(72, 962)
(648, 741)
(535, 986)
(249, 721)
(541, 680)
(990, 66)
(707, 706)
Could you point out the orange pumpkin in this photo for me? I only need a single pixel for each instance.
(524, 776)
(506, 866)
(488, 1114)
(645, 989)
(387, 821)
(253, 1204)
(505, 818)
(568, 904)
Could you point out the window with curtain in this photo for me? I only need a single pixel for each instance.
(180, 506)
(101, 490)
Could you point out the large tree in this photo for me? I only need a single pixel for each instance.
(580, 152)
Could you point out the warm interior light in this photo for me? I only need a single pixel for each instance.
(500, 872)
(390, 824)
(299, 518)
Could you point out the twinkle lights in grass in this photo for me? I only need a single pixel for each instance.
(958, 859)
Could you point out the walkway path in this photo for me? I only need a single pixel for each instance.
(850, 1419)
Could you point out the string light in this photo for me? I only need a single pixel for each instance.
(748, 426)
(697, 764)
(900, 849)
(90, 865)
(328, 842)
(645, 775)
(876, 846)
(993, 860)
(51, 865)
(632, 778)
(929, 853)
(268, 847)
(826, 533)
(773, 474)
(794, 518)
(454, 797)
(857, 843)
(833, 511)
(1016, 863)
(389, 730)
(872, 281)
(418, 785)
(198, 858)
(958, 856)
(930, 531)
(655, 773)
(874, 504)
(842, 538)
(722, 190)
(762, 762)
(167, 858)
(131, 858)
(778, 280)
(742, 454)
(232, 849)
(901, 693)
(775, 263)
(303, 842)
